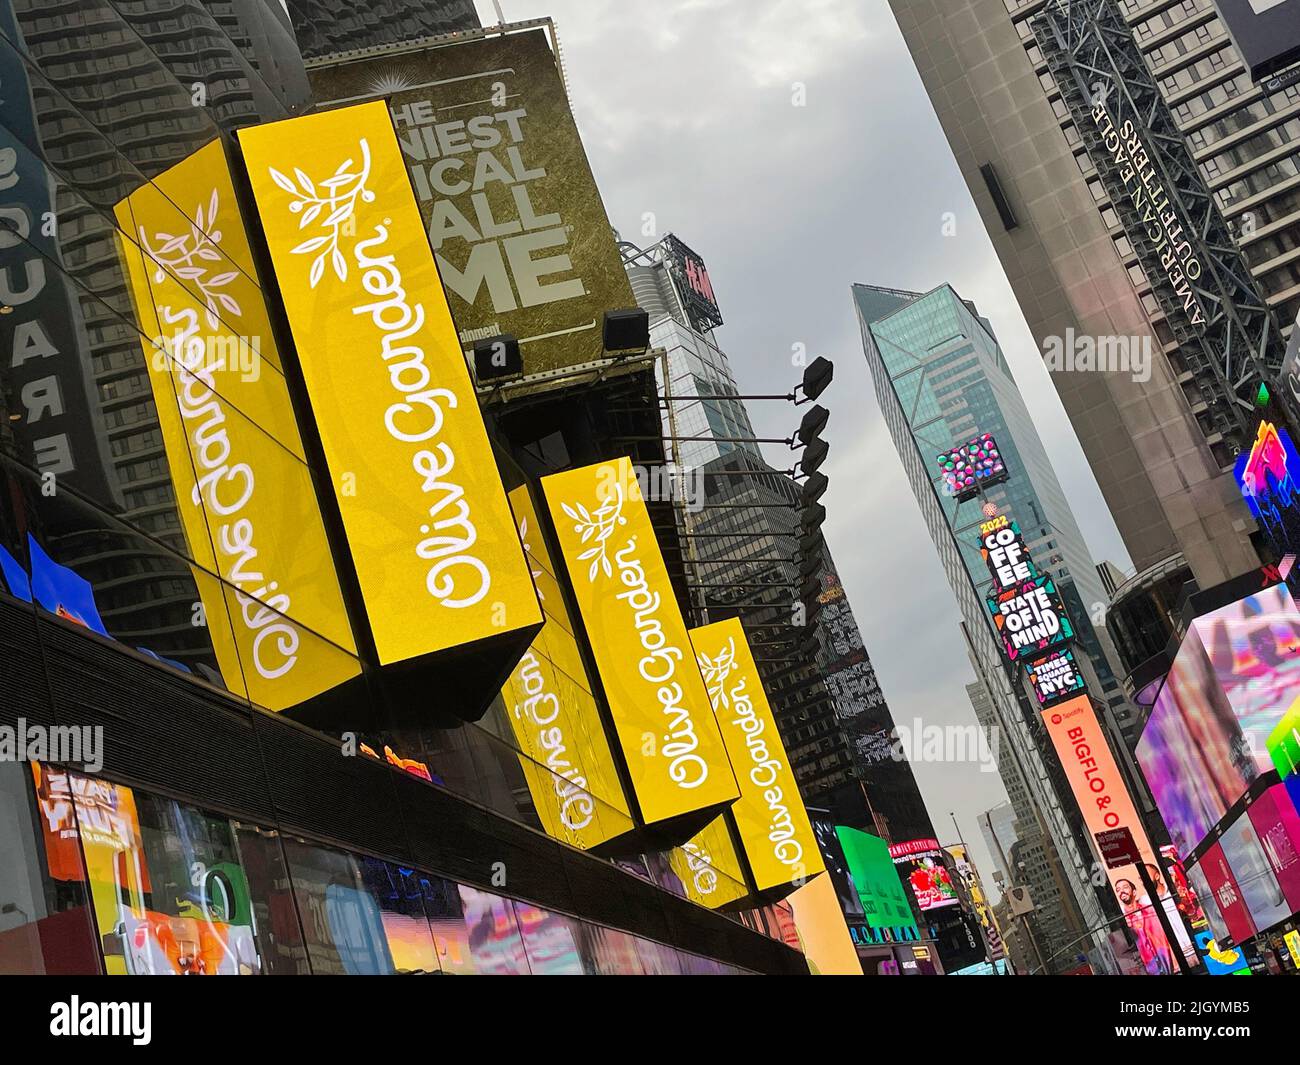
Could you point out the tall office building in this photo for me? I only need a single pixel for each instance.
(998, 827)
(941, 379)
(741, 548)
(1017, 118)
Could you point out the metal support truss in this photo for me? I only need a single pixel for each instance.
(1094, 58)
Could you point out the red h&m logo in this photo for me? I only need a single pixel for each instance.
(698, 278)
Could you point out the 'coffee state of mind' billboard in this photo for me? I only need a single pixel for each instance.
(517, 226)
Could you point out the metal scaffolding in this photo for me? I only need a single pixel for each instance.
(1095, 60)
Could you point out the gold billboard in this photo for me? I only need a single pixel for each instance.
(506, 194)
(666, 728)
(234, 455)
(773, 824)
(556, 723)
(708, 866)
(427, 521)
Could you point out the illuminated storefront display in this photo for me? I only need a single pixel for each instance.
(233, 452)
(666, 728)
(426, 516)
(972, 467)
(770, 815)
(554, 717)
(176, 890)
(160, 911)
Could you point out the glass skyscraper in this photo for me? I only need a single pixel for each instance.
(1072, 258)
(941, 379)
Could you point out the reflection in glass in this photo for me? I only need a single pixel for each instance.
(342, 924)
(496, 947)
(169, 894)
(400, 897)
(550, 941)
(45, 923)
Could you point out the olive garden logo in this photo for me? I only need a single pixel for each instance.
(662, 658)
(457, 577)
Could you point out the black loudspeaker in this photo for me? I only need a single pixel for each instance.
(496, 357)
(627, 330)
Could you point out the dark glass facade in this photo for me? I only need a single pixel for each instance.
(326, 27)
(117, 880)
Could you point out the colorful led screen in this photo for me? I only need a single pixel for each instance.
(971, 467)
(1233, 679)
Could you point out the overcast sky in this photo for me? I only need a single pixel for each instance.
(687, 111)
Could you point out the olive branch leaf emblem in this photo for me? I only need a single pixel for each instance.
(716, 671)
(185, 254)
(330, 204)
(596, 527)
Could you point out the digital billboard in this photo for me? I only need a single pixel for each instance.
(969, 468)
(1266, 33)
(428, 525)
(1208, 735)
(1055, 676)
(1106, 806)
(1283, 743)
(1266, 475)
(505, 193)
(837, 870)
(921, 864)
(1260, 891)
(692, 279)
(1214, 879)
(823, 933)
(885, 905)
(1277, 825)
(770, 817)
(667, 731)
(565, 755)
(709, 867)
(1030, 617)
(245, 496)
(1004, 552)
